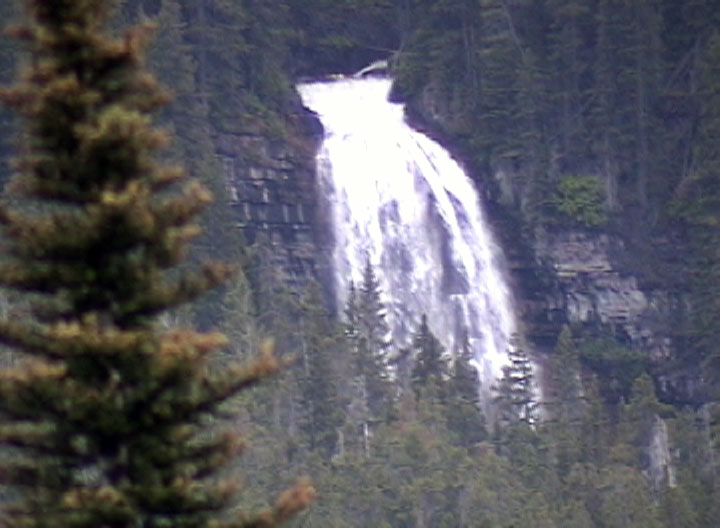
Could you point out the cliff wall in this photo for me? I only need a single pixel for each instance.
(272, 192)
(610, 282)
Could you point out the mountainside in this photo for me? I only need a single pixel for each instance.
(589, 121)
(591, 129)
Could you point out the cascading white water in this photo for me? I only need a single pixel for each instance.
(399, 199)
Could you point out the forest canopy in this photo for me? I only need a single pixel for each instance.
(603, 113)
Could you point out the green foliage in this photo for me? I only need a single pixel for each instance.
(617, 365)
(620, 91)
(580, 199)
(515, 393)
(318, 384)
(624, 500)
(428, 462)
(677, 509)
(367, 340)
(563, 403)
(9, 54)
(697, 206)
(189, 121)
(341, 36)
(464, 415)
(372, 335)
(534, 88)
(637, 422)
(110, 418)
(430, 369)
(537, 88)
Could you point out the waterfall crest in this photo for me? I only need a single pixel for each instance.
(398, 199)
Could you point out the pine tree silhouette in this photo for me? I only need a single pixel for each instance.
(108, 419)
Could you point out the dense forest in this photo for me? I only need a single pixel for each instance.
(605, 115)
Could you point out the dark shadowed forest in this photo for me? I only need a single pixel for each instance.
(599, 117)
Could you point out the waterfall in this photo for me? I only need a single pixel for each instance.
(398, 199)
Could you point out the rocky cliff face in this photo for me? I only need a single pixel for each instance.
(571, 275)
(564, 275)
(593, 289)
(271, 185)
(560, 276)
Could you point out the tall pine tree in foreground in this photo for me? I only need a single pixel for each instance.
(108, 419)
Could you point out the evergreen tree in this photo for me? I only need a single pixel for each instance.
(627, 73)
(565, 410)
(373, 327)
(595, 432)
(240, 319)
(318, 345)
(358, 414)
(515, 400)
(569, 64)
(637, 421)
(367, 337)
(8, 62)
(342, 37)
(647, 73)
(108, 416)
(624, 500)
(692, 498)
(698, 207)
(430, 369)
(351, 324)
(500, 62)
(240, 48)
(464, 415)
(574, 514)
(678, 510)
(374, 341)
(611, 113)
(188, 120)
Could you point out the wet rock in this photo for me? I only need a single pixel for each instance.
(272, 189)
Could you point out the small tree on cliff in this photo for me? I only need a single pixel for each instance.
(108, 418)
(515, 399)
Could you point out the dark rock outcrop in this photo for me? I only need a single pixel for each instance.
(272, 191)
(570, 275)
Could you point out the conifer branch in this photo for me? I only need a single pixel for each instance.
(107, 412)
